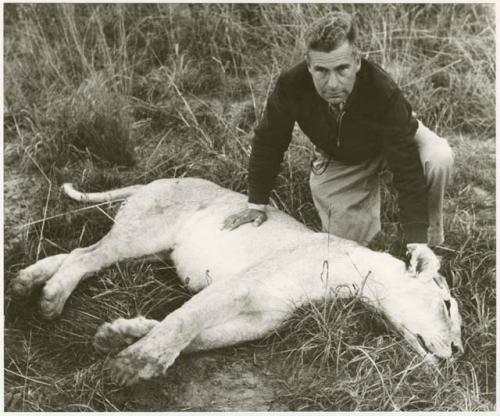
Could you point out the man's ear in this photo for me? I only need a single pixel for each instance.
(306, 58)
(357, 60)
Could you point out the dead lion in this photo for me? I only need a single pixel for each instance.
(258, 276)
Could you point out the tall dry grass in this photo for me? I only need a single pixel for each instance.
(91, 89)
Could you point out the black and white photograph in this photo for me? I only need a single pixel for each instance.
(249, 207)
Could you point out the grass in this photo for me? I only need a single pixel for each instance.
(110, 95)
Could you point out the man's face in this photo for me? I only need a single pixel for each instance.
(334, 72)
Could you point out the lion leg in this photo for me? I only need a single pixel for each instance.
(155, 352)
(34, 276)
(75, 267)
(115, 336)
(81, 263)
(243, 328)
(136, 233)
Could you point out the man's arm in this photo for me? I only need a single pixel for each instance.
(402, 156)
(272, 138)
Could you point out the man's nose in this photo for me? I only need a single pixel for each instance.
(333, 81)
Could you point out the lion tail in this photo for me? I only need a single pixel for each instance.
(107, 196)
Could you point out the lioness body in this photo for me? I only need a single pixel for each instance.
(191, 212)
(249, 280)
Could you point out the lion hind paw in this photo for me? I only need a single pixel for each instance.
(25, 283)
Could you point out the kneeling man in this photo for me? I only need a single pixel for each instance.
(360, 123)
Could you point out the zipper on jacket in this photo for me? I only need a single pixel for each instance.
(339, 126)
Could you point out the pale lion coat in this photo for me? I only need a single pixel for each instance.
(250, 280)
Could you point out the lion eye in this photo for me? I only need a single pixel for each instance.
(422, 342)
(437, 283)
(448, 306)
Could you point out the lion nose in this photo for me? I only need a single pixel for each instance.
(457, 349)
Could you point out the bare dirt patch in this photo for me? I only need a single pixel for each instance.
(211, 381)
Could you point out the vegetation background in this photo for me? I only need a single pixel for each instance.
(111, 95)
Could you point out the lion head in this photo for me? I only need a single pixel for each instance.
(420, 305)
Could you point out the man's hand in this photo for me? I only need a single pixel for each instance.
(243, 217)
(422, 259)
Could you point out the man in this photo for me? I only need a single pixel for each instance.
(360, 123)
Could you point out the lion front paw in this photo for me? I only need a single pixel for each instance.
(110, 338)
(128, 369)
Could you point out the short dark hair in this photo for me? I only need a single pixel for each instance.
(330, 31)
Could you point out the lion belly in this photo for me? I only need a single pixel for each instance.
(277, 254)
(203, 253)
(282, 253)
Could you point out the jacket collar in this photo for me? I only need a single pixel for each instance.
(360, 78)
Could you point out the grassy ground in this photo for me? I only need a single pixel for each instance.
(111, 95)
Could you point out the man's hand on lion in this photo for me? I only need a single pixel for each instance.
(255, 216)
(422, 258)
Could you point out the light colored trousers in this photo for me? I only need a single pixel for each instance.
(347, 197)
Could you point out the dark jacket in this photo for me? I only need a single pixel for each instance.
(375, 119)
